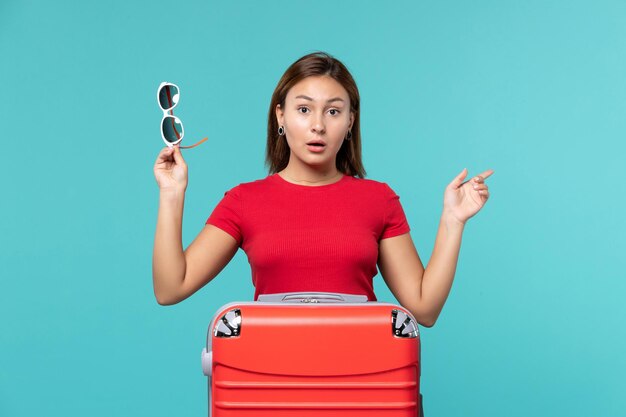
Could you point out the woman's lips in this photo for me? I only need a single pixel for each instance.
(317, 148)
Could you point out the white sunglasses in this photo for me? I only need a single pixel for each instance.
(172, 130)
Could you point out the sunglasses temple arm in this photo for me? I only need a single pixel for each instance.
(194, 145)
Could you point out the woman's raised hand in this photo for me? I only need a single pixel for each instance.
(462, 200)
(170, 170)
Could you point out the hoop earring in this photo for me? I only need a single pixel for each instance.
(349, 135)
(281, 131)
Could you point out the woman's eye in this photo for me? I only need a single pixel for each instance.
(303, 109)
(334, 112)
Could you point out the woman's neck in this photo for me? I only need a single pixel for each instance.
(310, 176)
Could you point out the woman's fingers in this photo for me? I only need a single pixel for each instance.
(178, 156)
(482, 189)
(164, 156)
(483, 176)
(166, 151)
(169, 155)
(479, 179)
(458, 180)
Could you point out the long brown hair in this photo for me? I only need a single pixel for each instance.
(315, 64)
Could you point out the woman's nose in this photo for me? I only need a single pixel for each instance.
(318, 124)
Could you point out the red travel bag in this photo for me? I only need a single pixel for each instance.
(313, 354)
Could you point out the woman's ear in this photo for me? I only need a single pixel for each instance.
(351, 120)
(279, 115)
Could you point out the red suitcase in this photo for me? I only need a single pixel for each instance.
(313, 354)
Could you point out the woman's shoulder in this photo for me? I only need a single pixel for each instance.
(371, 185)
(253, 186)
(367, 182)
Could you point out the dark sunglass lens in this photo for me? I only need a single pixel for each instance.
(168, 96)
(172, 129)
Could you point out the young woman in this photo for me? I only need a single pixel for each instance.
(315, 223)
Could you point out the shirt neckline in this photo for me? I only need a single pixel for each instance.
(281, 180)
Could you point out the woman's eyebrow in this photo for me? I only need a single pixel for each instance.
(327, 101)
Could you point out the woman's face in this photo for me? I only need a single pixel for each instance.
(316, 118)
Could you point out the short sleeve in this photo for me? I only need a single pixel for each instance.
(227, 214)
(395, 220)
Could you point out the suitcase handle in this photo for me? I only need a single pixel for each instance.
(311, 297)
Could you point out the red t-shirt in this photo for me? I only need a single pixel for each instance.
(311, 238)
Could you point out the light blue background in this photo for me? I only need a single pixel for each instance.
(535, 90)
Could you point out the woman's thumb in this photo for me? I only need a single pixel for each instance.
(458, 180)
(178, 156)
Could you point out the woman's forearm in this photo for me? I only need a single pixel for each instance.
(439, 273)
(168, 260)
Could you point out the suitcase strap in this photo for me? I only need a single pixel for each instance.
(311, 297)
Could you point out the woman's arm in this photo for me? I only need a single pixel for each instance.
(176, 274)
(424, 291)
